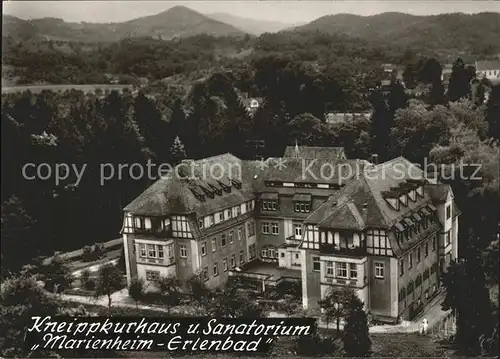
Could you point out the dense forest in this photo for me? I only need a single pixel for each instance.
(93, 129)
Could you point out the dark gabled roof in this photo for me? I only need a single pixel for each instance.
(319, 153)
(179, 192)
(487, 65)
(345, 216)
(368, 190)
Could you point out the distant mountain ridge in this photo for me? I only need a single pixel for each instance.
(178, 21)
(456, 30)
(251, 26)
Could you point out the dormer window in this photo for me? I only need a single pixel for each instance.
(413, 195)
(211, 220)
(404, 199)
(302, 203)
(224, 187)
(269, 205)
(200, 223)
(207, 192)
(199, 196)
(393, 202)
(218, 191)
(235, 183)
(420, 191)
(288, 184)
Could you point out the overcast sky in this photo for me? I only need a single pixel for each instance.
(283, 11)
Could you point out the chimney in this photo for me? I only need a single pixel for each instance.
(374, 159)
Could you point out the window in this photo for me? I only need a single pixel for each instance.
(282, 255)
(418, 254)
(252, 251)
(275, 229)
(142, 250)
(200, 223)
(237, 211)
(183, 251)
(152, 275)
(434, 240)
(224, 264)
(377, 242)
(240, 233)
(297, 228)
(221, 216)
(341, 269)
(269, 205)
(447, 238)
(214, 244)
(271, 252)
(160, 252)
(265, 227)
(223, 240)
(329, 268)
(379, 270)
(251, 228)
(316, 264)
(353, 270)
(448, 211)
(151, 251)
(216, 269)
(233, 260)
(426, 249)
(229, 213)
(410, 260)
(401, 266)
(211, 220)
(231, 237)
(180, 227)
(170, 251)
(304, 207)
(263, 252)
(204, 249)
(242, 257)
(204, 274)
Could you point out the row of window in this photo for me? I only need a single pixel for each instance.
(403, 199)
(270, 252)
(272, 205)
(233, 212)
(301, 185)
(223, 241)
(412, 227)
(419, 279)
(155, 251)
(225, 265)
(270, 228)
(417, 253)
(346, 270)
(180, 227)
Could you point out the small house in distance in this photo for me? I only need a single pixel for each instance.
(252, 104)
(488, 69)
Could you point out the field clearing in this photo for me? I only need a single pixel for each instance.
(60, 88)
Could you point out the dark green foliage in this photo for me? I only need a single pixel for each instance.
(19, 237)
(355, 337)
(468, 298)
(459, 85)
(231, 302)
(22, 298)
(136, 290)
(315, 344)
(109, 280)
(493, 113)
(169, 289)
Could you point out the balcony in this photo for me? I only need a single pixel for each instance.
(352, 252)
(292, 241)
(157, 261)
(156, 233)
